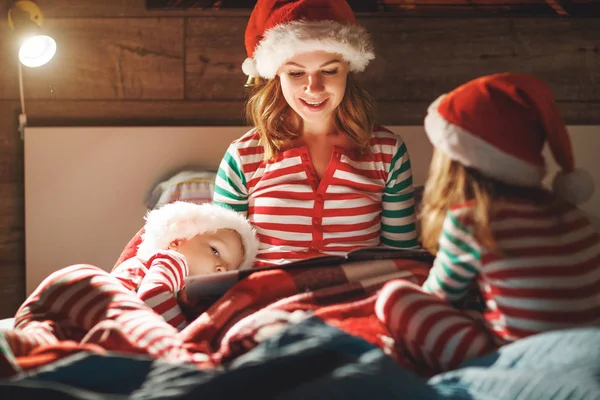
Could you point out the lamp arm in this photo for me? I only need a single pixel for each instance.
(23, 115)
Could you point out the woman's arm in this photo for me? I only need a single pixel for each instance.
(398, 211)
(457, 263)
(230, 186)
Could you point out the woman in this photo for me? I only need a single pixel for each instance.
(315, 176)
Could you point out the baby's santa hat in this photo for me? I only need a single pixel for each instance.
(184, 220)
(279, 29)
(498, 125)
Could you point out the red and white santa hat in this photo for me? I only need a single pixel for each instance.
(498, 124)
(184, 220)
(279, 29)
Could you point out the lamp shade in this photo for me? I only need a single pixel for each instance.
(35, 49)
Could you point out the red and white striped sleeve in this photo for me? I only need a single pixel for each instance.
(130, 272)
(166, 274)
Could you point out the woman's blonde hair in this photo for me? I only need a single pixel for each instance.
(277, 123)
(451, 183)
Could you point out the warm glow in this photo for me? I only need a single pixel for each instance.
(37, 51)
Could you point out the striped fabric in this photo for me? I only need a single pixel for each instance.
(547, 277)
(362, 200)
(89, 305)
(157, 283)
(438, 336)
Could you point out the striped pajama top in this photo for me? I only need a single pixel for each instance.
(547, 273)
(157, 282)
(362, 200)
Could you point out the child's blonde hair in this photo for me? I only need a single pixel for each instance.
(451, 183)
(269, 112)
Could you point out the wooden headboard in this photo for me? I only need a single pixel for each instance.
(85, 187)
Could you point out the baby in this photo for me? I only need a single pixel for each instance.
(181, 239)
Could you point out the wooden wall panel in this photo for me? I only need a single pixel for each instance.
(8, 65)
(94, 9)
(454, 8)
(140, 58)
(413, 112)
(135, 113)
(417, 59)
(12, 222)
(120, 8)
(215, 51)
(217, 113)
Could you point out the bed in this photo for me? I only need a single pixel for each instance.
(314, 337)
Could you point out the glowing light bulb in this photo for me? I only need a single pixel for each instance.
(37, 51)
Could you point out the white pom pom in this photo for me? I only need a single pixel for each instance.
(249, 67)
(576, 187)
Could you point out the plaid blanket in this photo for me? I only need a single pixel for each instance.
(343, 295)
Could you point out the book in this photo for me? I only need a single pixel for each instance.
(217, 284)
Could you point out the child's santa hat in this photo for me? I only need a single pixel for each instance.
(183, 220)
(498, 125)
(279, 29)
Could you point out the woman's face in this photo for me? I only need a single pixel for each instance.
(313, 84)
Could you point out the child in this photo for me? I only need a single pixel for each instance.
(182, 239)
(88, 305)
(534, 255)
(316, 175)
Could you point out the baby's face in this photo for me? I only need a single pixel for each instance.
(212, 252)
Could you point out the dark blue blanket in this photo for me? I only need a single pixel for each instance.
(312, 360)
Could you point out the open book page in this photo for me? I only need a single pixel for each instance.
(218, 283)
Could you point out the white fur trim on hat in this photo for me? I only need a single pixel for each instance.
(249, 67)
(471, 151)
(282, 42)
(576, 187)
(183, 220)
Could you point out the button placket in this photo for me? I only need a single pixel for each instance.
(317, 220)
(311, 176)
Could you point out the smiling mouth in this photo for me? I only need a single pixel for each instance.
(314, 105)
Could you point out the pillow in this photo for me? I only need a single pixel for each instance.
(191, 186)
